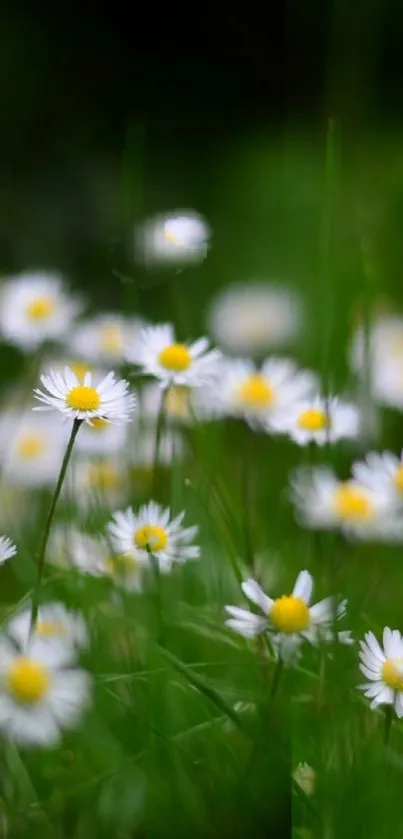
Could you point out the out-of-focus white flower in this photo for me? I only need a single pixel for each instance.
(324, 502)
(102, 438)
(97, 481)
(257, 394)
(318, 420)
(31, 448)
(54, 625)
(158, 354)
(305, 777)
(94, 557)
(102, 339)
(251, 318)
(7, 549)
(109, 399)
(152, 529)
(40, 693)
(384, 669)
(182, 406)
(142, 454)
(79, 368)
(382, 352)
(178, 237)
(35, 307)
(381, 472)
(289, 619)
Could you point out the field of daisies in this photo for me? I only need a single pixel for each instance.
(201, 550)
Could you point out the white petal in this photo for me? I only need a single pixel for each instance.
(303, 586)
(256, 595)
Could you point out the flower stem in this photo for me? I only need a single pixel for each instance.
(49, 520)
(276, 678)
(158, 434)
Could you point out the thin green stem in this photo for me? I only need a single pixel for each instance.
(49, 520)
(158, 435)
(247, 497)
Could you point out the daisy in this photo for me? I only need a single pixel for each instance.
(257, 394)
(385, 359)
(289, 619)
(182, 405)
(102, 339)
(305, 777)
(79, 368)
(252, 318)
(171, 448)
(31, 448)
(35, 307)
(324, 502)
(7, 549)
(158, 354)
(381, 472)
(93, 556)
(54, 625)
(97, 481)
(40, 693)
(110, 399)
(153, 528)
(179, 237)
(384, 669)
(317, 420)
(102, 438)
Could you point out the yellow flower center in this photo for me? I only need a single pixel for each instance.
(399, 479)
(392, 673)
(176, 358)
(170, 237)
(103, 476)
(177, 402)
(290, 614)
(152, 536)
(313, 419)
(99, 424)
(80, 370)
(40, 308)
(111, 340)
(50, 628)
(31, 446)
(28, 680)
(351, 503)
(83, 398)
(256, 392)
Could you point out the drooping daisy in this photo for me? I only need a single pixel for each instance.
(31, 448)
(180, 237)
(153, 528)
(323, 501)
(35, 307)
(384, 669)
(102, 339)
(7, 549)
(54, 625)
(252, 318)
(257, 394)
(317, 420)
(288, 619)
(158, 354)
(109, 399)
(40, 693)
(381, 472)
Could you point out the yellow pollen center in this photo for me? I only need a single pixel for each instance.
(31, 446)
(80, 370)
(256, 392)
(40, 308)
(152, 536)
(313, 419)
(50, 628)
(28, 680)
(99, 424)
(392, 673)
(290, 614)
(176, 358)
(111, 338)
(398, 479)
(103, 476)
(177, 402)
(170, 237)
(352, 504)
(83, 398)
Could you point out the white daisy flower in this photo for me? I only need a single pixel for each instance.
(153, 527)
(384, 669)
(40, 694)
(158, 354)
(94, 557)
(183, 405)
(318, 420)
(35, 307)
(289, 619)
(110, 399)
(54, 625)
(142, 454)
(7, 549)
(251, 318)
(102, 339)
(79, 368)
(102, 438)
(385, 359)
(180, 237)
(324, 502)
(31, 448)
(97, 481)
(257, 394)
(381, 472)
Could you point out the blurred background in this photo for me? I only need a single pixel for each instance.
(112, 114)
